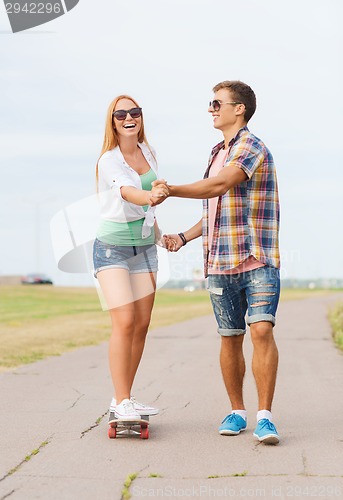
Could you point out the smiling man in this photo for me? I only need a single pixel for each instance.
(240, 228)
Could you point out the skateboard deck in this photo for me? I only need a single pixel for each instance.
(139, 427)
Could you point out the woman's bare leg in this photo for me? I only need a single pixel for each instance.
(116, 287)
(130, 299)
(143, 286)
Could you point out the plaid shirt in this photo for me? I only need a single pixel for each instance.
(247, 218)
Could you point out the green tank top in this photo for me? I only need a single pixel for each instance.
(128, 233)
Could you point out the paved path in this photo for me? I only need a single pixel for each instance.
(58, 407)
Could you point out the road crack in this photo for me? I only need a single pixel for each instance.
(26, 459)
(96, 424)
(7, 495)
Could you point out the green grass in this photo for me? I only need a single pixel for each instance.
(303, 293)
(28, 458)
(336, 320)
(125, 492)
(42, 321)
(22, 303)
(235, 474)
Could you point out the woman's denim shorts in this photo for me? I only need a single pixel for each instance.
(233, 295)
(135, 259)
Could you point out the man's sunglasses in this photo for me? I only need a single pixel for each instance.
(216, 104)
(121, 114)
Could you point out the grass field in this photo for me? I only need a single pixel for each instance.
(41, 321)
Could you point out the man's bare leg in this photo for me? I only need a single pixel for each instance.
(264, 362)
(233, 369)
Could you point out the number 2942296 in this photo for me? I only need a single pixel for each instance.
(33, 8)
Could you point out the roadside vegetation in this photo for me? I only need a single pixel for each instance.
(42, 321)
(336, 320)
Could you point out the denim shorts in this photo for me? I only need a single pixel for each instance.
(232, 295)
(136, 259)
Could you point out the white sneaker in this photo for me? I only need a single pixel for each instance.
(126, 411)
(141, 408)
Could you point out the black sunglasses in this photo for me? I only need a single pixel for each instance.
(216, 104)
(121, 114)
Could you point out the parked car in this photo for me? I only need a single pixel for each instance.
(36, 279)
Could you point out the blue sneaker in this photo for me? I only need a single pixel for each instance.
(266, 432)
(232, 425)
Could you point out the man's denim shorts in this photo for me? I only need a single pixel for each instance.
(136, 259)
(232, 295)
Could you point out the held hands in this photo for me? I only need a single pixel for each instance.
(159, 192)
(173, 242)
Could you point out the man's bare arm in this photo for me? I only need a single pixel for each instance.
(174, 242)
(209, 188)
(194, 232)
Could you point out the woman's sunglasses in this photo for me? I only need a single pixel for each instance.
(215, 105)
(121, 114)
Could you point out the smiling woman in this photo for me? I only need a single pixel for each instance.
(125, 256)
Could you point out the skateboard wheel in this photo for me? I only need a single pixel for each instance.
(144, 432)
(112, 432)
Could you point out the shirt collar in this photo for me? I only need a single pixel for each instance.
(238, 135)
(146, 152)
(220, 145)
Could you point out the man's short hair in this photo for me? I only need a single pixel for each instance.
(240, 92)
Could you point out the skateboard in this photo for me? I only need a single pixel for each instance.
(137, 428)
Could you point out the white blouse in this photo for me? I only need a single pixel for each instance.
(115, 173)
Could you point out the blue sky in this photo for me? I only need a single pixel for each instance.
(58, 79)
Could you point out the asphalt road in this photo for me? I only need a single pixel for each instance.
(53, 420)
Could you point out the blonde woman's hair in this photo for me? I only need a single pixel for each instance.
(111, 137)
